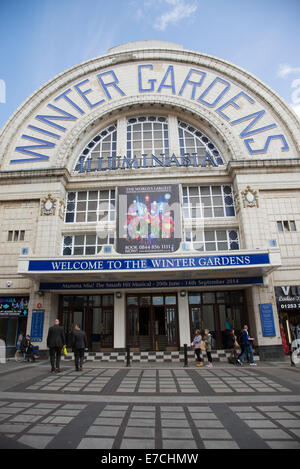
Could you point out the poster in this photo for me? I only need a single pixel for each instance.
(267, 320)
(148, 219)
(37, 325)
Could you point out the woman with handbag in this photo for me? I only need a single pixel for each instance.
(196, 344)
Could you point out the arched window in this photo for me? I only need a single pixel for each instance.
(148, 145)
(192, 141)
(103, 145)
(147, 135)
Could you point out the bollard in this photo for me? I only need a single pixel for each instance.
(128, 356)
(185, 355)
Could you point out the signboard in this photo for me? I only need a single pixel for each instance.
(148, 219)
(13, 306)
(253, 124)
(37, 325)
(214, 262)
(267, 320)
(288, 298)
(151, 284)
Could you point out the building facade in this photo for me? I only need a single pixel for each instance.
(147, 193)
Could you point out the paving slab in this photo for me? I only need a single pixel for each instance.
(150, 406)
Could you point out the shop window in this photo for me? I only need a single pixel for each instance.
(208, 201)
(86, 244)
(90, 206)
(194, 142)
(16, 235)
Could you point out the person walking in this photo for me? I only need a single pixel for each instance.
(55, 342)
(208, 339)
(78, 346)
(196, 344)
(18, 346)
(234, 346)
(247, 342)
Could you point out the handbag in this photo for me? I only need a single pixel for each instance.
(202, 345)
(65, 351)
(236, 344)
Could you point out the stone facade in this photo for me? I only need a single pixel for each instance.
(256, 133)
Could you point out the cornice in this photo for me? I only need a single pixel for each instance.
(264, 165)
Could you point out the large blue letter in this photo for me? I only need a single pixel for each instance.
(265, 148)
(141, 89)
(256, 115)
(111, 83)
(232, 102)
(172, 85)
(220, 95)
(83, 94)
(26, 150)
(65, 116)
(194, 83)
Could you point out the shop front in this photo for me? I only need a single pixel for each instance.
(288, 307)
(13, 318)
(151, 303)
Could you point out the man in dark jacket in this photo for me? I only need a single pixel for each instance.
(55, 342)
(78, 346)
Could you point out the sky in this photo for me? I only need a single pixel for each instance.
(42, 38)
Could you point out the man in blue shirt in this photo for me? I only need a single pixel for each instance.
(247, 342)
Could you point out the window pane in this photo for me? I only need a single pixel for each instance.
(279, 226)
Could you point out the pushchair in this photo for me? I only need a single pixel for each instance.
(27, 349)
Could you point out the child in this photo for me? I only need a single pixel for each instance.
(196, 344)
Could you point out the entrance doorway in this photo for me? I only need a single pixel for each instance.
(218, 311)
(152, 322)
(94, 314)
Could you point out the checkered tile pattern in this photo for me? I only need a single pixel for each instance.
(157, 357)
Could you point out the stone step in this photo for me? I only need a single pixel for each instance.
(176, 356)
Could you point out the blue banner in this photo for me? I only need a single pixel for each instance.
(149, 263)
(216, 282)
(267, 320)
(37, 325)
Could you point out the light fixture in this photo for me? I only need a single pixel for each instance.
(118, 294)
(40, 293)
(182, 293)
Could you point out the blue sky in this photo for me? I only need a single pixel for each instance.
(41, 38)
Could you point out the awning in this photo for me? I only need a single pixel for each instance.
(168, 271)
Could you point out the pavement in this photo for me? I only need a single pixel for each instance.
(150, 406)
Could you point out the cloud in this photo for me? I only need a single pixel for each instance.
(296, 109)
(163, 13)
(180, 9)
(285, 69)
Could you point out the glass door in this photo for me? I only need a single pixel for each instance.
(132, 321)
(152, 322)
(171, 320)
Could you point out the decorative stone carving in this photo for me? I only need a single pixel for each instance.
(48, 205)
(249, 197)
